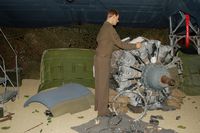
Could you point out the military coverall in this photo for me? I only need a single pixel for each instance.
(107, 40)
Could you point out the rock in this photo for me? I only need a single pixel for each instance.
(177, 93)
(176, 98)
(174, 103)
(178, 117)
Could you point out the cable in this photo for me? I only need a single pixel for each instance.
(130, 91)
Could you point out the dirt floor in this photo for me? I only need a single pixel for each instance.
(33, 120)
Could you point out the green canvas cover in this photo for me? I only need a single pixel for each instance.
(191, 73)
(65, 65)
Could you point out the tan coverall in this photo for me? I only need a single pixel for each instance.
(107, 40)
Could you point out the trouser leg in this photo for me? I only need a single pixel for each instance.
(102, 70)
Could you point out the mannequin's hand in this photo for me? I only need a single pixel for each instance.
(138, 45)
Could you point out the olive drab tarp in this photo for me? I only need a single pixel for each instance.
(191, 73)
(63, 73)
(65, 65)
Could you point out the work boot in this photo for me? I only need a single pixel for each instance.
(108, 114)
(111, 114)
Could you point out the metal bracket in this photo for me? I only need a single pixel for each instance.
(174, 37)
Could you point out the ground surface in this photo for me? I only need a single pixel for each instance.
(33, 115)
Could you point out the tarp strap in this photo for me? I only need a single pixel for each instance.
(187, 24)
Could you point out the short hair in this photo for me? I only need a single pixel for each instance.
(112, 12)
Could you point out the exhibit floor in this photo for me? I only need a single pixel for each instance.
(32, 119)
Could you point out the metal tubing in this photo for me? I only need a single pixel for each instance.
(16, 60)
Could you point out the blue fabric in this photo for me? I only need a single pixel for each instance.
(52, 97)
(134, 13)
